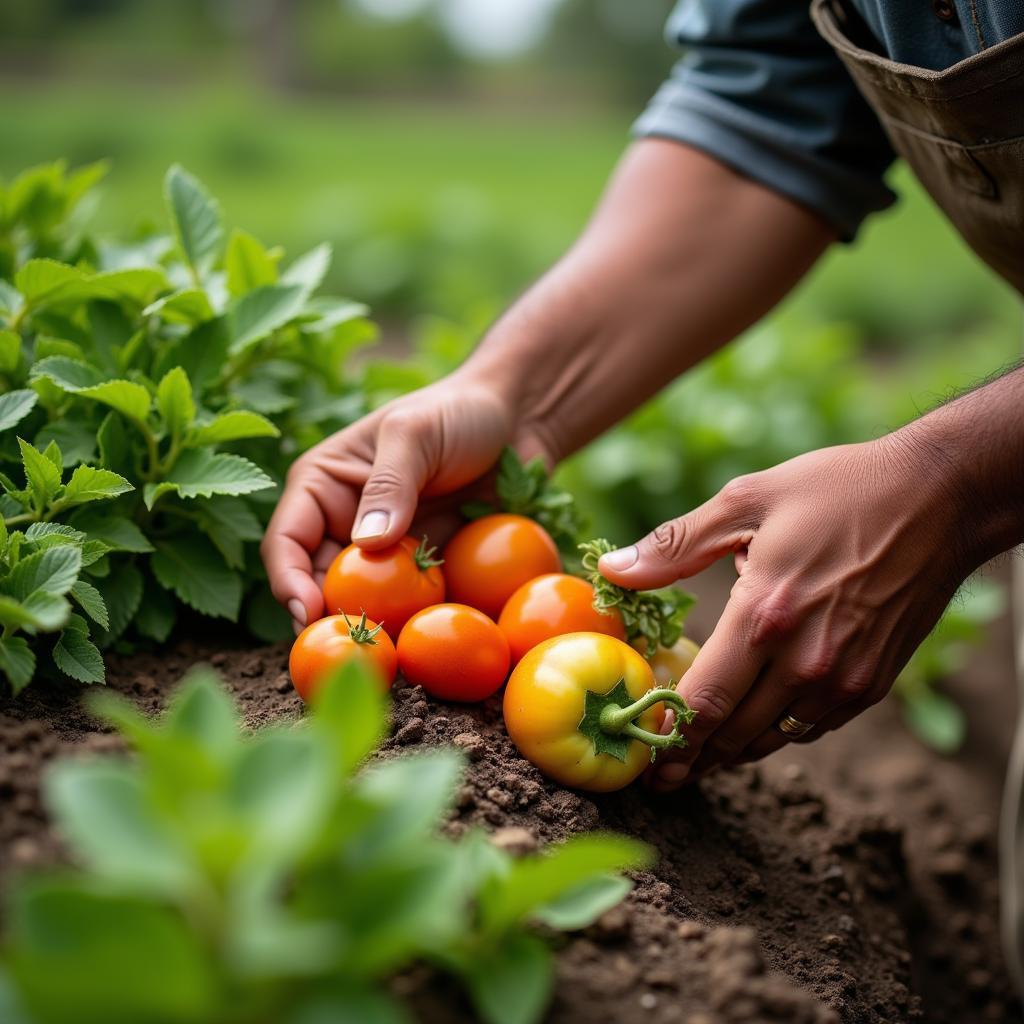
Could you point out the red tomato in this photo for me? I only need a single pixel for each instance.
(389, 585)
(454, 652)
(327, 643)
(549, 606)
(490, 558)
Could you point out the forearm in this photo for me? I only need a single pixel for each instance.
(975, 447)
(681, 255)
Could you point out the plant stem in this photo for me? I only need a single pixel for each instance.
(25, 517)
(621, 721)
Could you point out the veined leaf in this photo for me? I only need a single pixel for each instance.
(42, 475)
(77, 656)
(233, 426)
(54, 570)
(116, 532)
(196, 218)
(248, 263)
(200, 473)
(174, 401)
(92, 603)
(309, 270)
(15, 406)
(192, 568)
(75, 438)
(188, 306)
(261, 312)
(41, 278)
(157, 613)
(41, 613)
(121, 592)
(17, 662)
(127, 397)
(229, 522)
(90, 484)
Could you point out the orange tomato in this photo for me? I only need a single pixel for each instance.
(551, 605)
(389, 585)
(454, 652)
(329, 642)
(490, 558)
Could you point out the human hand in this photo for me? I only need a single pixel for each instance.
(435, 443)
(846, 559)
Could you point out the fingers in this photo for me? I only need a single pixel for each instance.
(720, 677)
(390, 494)
(683, 547)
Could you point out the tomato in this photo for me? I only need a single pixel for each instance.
(670, 664)
(389, 585)
(329, 642)
(585, 709)
(550, 605)
(490, 558)
(454, 652)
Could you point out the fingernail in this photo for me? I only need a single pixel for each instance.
(373, 524)
(674, 773)
(297, 610)
(621, 559)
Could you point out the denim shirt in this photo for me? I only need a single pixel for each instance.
(759, 89)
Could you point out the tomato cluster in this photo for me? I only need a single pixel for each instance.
(498, 600)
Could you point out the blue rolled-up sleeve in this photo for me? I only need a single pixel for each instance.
(760, 90)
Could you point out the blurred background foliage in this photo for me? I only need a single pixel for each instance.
(450, 150)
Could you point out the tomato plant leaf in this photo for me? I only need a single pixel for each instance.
(512, 983)
(232, 426)
(15, 406)
(41, 278)
(54, 570)
(261, 312)
(175, 403)
(201, 473)
(121, 592)
(196, 219)
(91, 601)
(17, 662)
(116, 532)
(582, 905)
(310, 269)
(76, 439)
(157, 613)
(192, 568)
(42, 476)
(188, 306)
(248, 263)
(89, 484)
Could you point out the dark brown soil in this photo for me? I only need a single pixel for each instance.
(853, 880)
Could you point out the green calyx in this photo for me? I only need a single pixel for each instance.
(655, 616)
(609, 720)
(424, 555)
(360, 633)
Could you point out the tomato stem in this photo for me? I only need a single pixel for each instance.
(424, 555)
(621, 721)
(359, 633)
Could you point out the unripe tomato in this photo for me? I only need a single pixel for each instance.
(551, 605)
(454, 652)
(389, 585)
(329, 642)
(490, 558)
(670, 664)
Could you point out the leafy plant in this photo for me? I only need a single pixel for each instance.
(264, 878)
(174, 379)
(931, 715)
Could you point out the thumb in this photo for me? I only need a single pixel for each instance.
(391, 492)
(685, 546)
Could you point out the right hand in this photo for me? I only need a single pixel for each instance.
(365, 482)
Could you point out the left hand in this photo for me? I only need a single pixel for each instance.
(846, 557)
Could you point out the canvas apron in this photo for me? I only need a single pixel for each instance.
(962, 132)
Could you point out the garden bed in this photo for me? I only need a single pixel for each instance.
(852, 880)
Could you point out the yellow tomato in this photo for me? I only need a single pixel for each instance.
(670, 664)
(585, 709)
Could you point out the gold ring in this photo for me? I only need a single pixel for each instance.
(790, 726)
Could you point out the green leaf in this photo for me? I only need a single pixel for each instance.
(936, 720)
(229, 522)
(175, 403)
(202, 711)
(89, 484)
(157, 613)
(200, 473)
(192, 569)
(45, 535)
(512, 983)
(127, 397)
(42, 475)
(41, 278)
(77, 656)
(534, 882)
(196, 218)
(351, 712)
(42, 612)
(53, 570)
(326, 313)
(75, 438)
(119, 959)
(10, 351)
(309, 270)
(15, 406)
(261, 312)
(17, 662)
(349, 1005)
(188, 306)
(266, 619)
(249, 265)
(121, 592)
(132, 284)
(92, 602)
(118, 533)
(232, 426)
(582, 905)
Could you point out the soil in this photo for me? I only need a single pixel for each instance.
(853, 880)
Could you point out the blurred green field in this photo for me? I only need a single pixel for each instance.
(438, 208)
